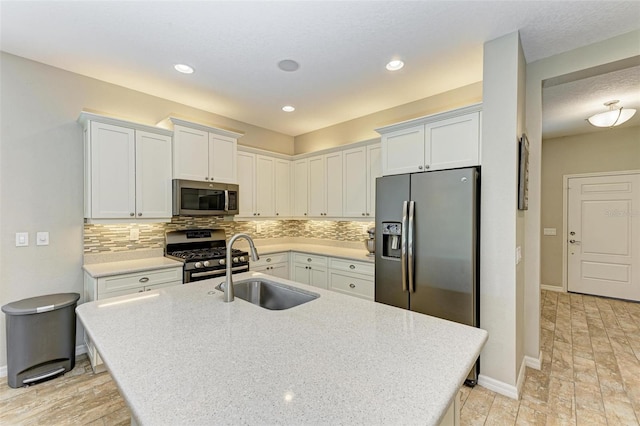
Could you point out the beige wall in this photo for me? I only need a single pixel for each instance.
(602, 151)
(362, 128)
(41, 168)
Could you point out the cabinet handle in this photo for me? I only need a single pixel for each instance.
(367, 214)
(148, 289)
(206, 178)
(352, 285)
(254, 214)
(268, 259)
(139, 214)
(131, 214)
(362, 214)
(141, 291)
(419, 167)
(352, 267)
(305, 214)
(144, 280)
(426, 167)
(308, 259)
(277, 214)
(258, 214)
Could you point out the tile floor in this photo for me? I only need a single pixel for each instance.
(590, 375)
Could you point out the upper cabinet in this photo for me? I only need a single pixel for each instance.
(442, 141)
(361, 167)
(325, 185)
(300, 187)
(203, 153)
(127, 170)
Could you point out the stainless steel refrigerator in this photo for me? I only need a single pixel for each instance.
(427, 237)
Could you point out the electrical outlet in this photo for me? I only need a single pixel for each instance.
(134, 234)
(307, 227)
(364, 229)
(518, 254)
(258, 227)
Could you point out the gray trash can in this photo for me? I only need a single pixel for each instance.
(41, 337)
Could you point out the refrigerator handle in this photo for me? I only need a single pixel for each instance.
(410, 265)
(403, 245)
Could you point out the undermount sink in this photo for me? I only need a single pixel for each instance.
(270, 294)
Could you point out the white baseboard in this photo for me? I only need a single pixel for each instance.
(535, 363)
(80, 349)
(502, 388)
(521, 375)
(551, 288)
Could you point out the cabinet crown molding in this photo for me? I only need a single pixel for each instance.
(171, 121)
(85, 117)
(430, 118)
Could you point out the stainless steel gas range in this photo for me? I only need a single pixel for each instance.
(203, 252)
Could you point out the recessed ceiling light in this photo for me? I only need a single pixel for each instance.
(288, 65)
(395, 65)
(183, 68)
(288, 108)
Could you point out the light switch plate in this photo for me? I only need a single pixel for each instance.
(549, 231)
(42, 238)
(518, 254)
(22, 239)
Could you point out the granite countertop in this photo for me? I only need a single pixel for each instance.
(97, 270)
(180, 355)
(322, 250)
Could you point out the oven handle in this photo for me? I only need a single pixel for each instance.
(226, 200)
(219, 272)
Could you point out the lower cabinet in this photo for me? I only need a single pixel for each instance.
(309, 269)
(352, 277)
(121, 285)
(276, 264)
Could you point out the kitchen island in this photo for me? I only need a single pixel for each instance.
(180, 355)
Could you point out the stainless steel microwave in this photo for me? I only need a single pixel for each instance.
(193, 198)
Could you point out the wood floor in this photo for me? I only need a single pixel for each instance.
(590, 376)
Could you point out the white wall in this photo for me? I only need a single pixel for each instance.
(597, 54)
(499, 301)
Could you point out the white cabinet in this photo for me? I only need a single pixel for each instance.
(300, 187)
(127, 170)
(264, 185)
(276, 264)
(361, 167)
(309, 269)
(442, 141)
(352, 277)
(123, 284)
(325, 185)
(203, 153)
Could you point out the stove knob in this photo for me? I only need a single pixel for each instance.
(222, 261)
(206, 263)
(198, 265)
(235, 260)
(242, 259)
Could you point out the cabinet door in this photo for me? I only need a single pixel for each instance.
(222, 158)
(453, 143)
(301, 273)
(280, 270)
(265, 192)
(318, 277)
(246, 182)
(190, 154)
(333, 186)
(403, 151)
(355, 182)
(282, 187)
(374, 171)
(113, 189)
(153, 175)
(317, 186)
(300, 187)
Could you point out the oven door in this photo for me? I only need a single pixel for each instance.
(193, 198)
(192, 276)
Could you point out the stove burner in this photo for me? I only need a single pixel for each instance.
(205, 253)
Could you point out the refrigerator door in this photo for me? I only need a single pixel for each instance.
(391, 194)
(445, 244)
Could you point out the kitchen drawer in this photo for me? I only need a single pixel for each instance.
(352, 266)
(352, 284)
(270, 259)
(117, 283)
(309, 259)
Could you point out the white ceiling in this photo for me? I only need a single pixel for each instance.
(342, 47)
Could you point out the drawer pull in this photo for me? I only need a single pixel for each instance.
(141, 291)
(352, 285)
(144, 280)
(268, 259)
(352, 267)
(308, 259)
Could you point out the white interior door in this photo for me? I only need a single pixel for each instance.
(603, 235)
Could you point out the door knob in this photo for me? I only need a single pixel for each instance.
(574, 242)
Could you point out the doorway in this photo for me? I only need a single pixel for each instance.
(602, 241)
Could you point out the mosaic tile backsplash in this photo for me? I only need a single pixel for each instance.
(115, 238)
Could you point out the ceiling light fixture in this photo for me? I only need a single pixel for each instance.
(288, 108)
(395, 65)
(183, 68)
(614, 117)
(288, 65)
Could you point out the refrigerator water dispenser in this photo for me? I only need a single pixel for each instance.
(391, 237)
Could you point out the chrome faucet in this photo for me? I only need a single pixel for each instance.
(228, 284)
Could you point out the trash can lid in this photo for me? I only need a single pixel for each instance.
(40, 304)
